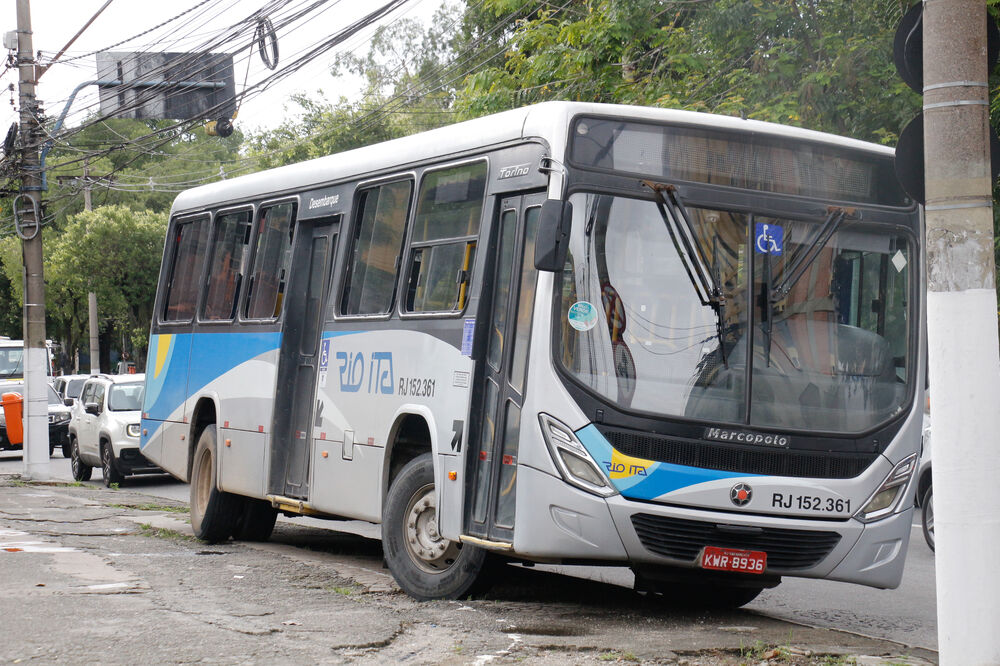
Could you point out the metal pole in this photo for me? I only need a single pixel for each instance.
(36, 441)
(964, 361)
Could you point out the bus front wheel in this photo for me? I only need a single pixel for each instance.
(425, 564)
(214, 513)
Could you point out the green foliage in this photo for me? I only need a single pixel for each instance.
(823, 65)
(114, 252)
(133, 166)
(408, 88)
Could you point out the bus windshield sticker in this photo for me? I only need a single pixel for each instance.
(324, 362)
(899, 261)
(582, 316)
(769, 239)
(468, 331)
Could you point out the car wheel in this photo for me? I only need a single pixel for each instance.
(109, 467)
(256, 521)
(927, 516)
(67, 450)
(424, 564)
(81, 470)
(52, 448)
(214, 513)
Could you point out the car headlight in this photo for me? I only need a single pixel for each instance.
(883, 502)
(59, 418)
(132, 429)
(572, 459)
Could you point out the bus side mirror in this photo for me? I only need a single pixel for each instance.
(552, 243)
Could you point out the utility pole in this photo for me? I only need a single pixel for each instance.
(962, 330)
(29, 226)
(95, 346)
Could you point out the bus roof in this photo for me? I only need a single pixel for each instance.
(547, 121)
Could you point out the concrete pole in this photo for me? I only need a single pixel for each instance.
(36, 420)
(962, 331)
(95, 346)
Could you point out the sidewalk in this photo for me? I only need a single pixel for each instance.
(111, 576)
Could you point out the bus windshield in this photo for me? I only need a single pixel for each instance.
(817, 345)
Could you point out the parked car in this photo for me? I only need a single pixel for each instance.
(104, 429)
(59, 417)
(69, 386)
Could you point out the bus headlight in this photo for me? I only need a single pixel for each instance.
(572, 459)
(132, 429)
(884, 501)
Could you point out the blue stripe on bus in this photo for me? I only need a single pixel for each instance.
(181, 364)
(636, 478)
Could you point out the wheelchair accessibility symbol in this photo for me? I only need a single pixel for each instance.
(768, 238)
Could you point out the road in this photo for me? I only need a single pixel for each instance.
(905, 615)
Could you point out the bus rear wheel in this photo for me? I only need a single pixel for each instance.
(425, 564)
(214, 513)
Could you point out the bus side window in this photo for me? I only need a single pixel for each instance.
(229, 243)
(270, 262)
(374, 256)
(190, 244)
(443, 245)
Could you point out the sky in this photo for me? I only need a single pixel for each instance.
(54, 22)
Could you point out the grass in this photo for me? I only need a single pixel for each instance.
(344, 591)
(145, 529)
(619, 656)
(150, 506)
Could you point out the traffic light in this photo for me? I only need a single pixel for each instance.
(908, 54)
(222, 127)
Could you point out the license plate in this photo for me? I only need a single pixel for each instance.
(731, 559)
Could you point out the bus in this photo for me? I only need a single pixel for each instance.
(570, 333)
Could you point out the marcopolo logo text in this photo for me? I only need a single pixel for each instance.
(745, 437)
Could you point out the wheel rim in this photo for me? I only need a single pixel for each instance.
(425, 545)
(202, 482)
(74, 459)
(106, 461)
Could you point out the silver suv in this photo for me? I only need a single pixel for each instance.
(104, 429)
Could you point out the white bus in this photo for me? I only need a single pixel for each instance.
(568, 333)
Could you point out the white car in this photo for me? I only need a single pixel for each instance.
(104, 429)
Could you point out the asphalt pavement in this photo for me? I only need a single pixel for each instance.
(113, 576)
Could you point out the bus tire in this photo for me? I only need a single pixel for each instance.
(425, 565)
(256, 521)
(214, 513)
(927, 516)
(81, 470)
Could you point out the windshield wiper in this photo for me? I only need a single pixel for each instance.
(692, 253)
(772, 294)
(835, 215)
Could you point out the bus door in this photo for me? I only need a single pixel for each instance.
(295, 389)
(493, 440)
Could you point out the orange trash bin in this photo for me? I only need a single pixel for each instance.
(13, 413)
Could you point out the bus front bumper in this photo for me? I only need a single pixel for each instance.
(569, 525)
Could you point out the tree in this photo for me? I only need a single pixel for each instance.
(825, 65)
(409, 82)
(114, 252)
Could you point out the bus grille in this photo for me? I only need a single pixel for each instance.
(738, 458)
(684, 539)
